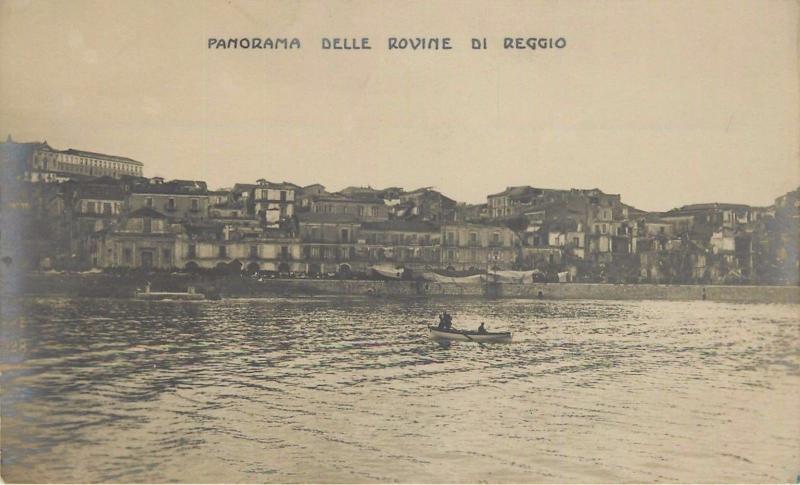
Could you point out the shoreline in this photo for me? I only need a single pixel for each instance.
(113, 286)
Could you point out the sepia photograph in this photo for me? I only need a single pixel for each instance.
(446, 241)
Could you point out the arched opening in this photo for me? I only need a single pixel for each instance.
(192, 267)
(283, 268)
(235, 266)
(253, 267)
(221, 267)
(450, 268)
(314, 269)
(345, 270)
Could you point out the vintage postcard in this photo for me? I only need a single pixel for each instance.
(399, 242)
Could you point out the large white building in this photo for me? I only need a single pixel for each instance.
(45, 163)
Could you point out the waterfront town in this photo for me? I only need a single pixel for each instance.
(77, 210)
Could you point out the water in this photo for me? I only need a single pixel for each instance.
(352, 390)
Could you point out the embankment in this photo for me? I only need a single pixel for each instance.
(102, 285)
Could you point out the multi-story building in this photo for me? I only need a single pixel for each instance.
(142, 239)
(415, 245)
(477, 247)
(265, 252)
(426, 204)
(45, 163)
(97, 206)
(330, 241)
(273, 202)
(179, 200)
(305, 194)
(512, 201)
(367, 208)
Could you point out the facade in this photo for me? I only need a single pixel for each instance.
(143, 239)
(97, 207)
(330, 242)
(477, 247)
(48, 164)
(363, 208)
(179, 200)
(273, 202)
(408, 244)
(263, 253)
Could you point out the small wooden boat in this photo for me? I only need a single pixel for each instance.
(469, 335)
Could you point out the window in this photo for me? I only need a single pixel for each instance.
(496, 238)
(90, 207)
(283, 196)
(315, 252)
(147, 225)
(285, 252)
(148, 201)
(451, 255)
(345, 235)
(195, 205)
(106, 207)
(127, 255)
(254, 251)
(192, 251)
(374, 212)
(166, 255)
(451, 237)
(576, 241)
(473, 238)
(171, 204)
(223, 251)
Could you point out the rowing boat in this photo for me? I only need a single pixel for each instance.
(468, 335)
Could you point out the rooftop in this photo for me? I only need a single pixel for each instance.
(84, 153)
(100, 192)
(190, 187)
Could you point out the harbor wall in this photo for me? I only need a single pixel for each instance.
(103, 285)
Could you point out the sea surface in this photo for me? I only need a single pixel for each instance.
(352, 390)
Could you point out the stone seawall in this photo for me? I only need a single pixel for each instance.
(101, 285)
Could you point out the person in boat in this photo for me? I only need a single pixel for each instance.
(441, 320)
(448, 321)
(482, 329)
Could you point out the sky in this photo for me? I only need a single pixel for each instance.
(665, 102)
